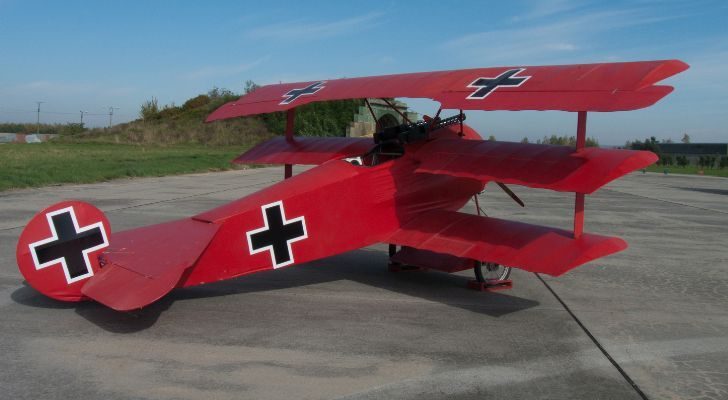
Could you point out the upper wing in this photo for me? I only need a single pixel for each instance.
(558, 168)
(530, 247)
(304, 150)
(582, 87)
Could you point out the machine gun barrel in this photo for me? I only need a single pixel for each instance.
(416, 131)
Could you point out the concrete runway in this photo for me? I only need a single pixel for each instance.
(344, 327)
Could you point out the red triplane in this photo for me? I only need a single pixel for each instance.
(404, 188)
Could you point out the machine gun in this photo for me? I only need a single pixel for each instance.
(415, 131)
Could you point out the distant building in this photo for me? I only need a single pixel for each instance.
(698, 149)
(364, 123)
(693, 151)
(24, 138)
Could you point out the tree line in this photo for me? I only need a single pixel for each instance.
(653, 145)
(330, 118)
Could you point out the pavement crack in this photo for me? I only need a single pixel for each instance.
(601, 348)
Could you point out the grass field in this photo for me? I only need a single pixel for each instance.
(32, 165)
(689, 170)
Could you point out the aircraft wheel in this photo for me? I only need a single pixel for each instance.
(490, 271)
(392, 250)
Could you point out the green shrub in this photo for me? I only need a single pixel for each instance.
(196, 102)
(682, 161)
(566, 140)
(149, 110)
(666, 160)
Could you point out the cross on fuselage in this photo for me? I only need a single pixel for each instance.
(487, 86)
(69, 246)
(277, 235)
(296, 93)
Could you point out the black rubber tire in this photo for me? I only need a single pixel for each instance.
(492, 270)
(392, 250)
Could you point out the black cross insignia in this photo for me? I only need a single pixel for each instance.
(487, 86)
(296, 93)
(69, 245)
(277, 234)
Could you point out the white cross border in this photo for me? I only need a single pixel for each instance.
(473, 85)
(62, 260)
(266, 227)
(318, 86)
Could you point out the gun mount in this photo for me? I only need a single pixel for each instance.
(415, 131)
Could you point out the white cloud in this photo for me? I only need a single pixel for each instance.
(55, 87)
(546, 8)
(574, 33)
(304, 30)
(223, 70)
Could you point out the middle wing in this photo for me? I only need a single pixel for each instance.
(304, 150)
(559, 168)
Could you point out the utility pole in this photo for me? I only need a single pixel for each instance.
(37, 118)
(111, 114)
(82, 112)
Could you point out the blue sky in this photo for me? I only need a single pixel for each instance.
(92, 55)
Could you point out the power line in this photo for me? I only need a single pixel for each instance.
(37, 121)
(4, 110)
(13, 110)
(111, 114)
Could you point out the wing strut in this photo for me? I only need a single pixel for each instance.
(374, 116)
(404, 117)
(579, 201)
(290, 123)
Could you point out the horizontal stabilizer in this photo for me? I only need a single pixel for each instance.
(304, 150)
(559, 168)
(142, 265)
(529, 247)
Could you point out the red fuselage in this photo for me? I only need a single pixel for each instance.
(371, 202)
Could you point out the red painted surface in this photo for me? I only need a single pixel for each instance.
(406, 201)
(370, 204)
(578, 215)
(304, 150)
(141, 265)
(51, 280)
(585, 87)
(557, 168)
(530, 247)
(290, 127)
(579, 198)
(581, 130)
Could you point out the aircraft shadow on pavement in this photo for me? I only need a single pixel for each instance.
(722, 192)
(365, 266)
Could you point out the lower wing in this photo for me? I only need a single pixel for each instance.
(530, 247)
